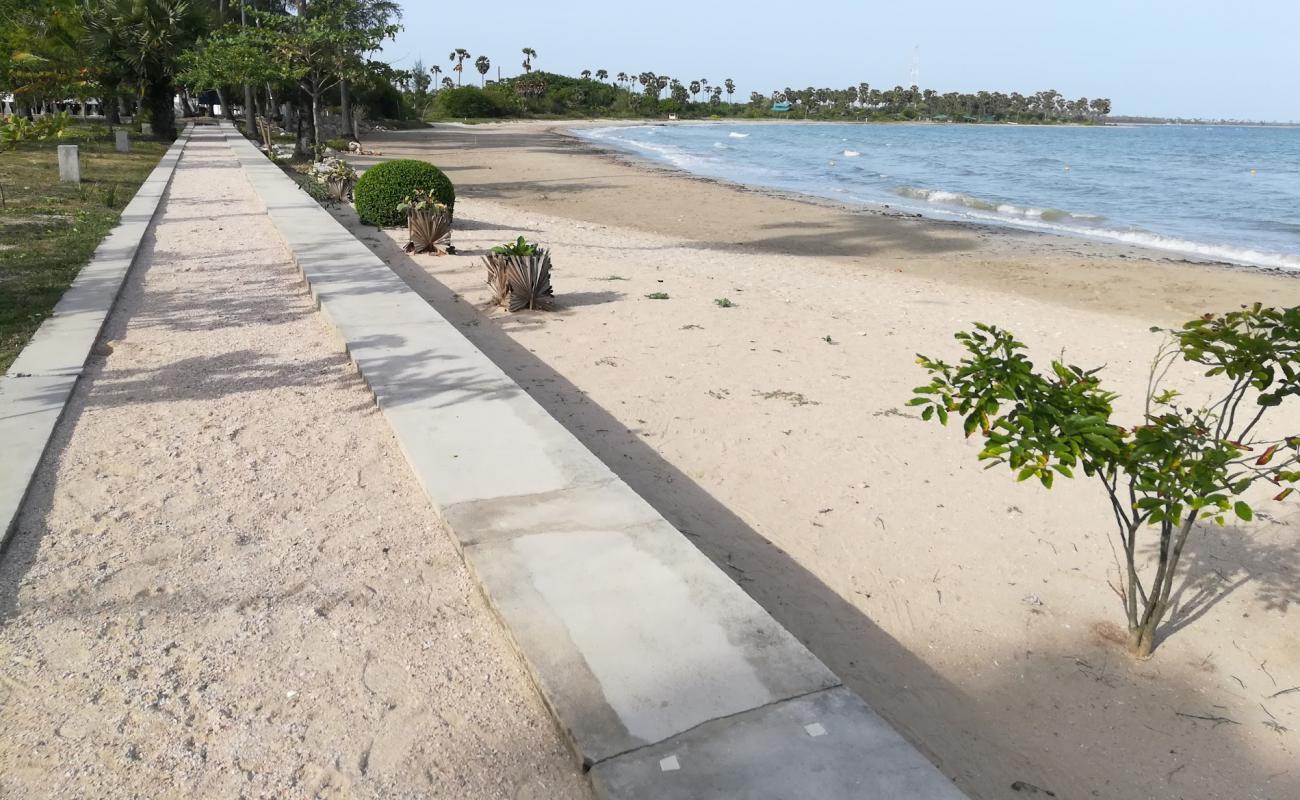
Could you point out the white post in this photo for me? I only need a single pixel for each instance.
(123, 142)
(69, 166)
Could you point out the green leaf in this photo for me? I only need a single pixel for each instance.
(1243, 510)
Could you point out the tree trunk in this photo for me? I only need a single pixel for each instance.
(249, 111)
(1142, 639)
(162, 113)
(345, 104)
(315, 120)
(226, 110)
(111, 104)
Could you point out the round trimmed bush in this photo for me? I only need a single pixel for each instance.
(383, 187)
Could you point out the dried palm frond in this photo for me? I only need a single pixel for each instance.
(497, 280)
(529, 278)
(430, 230)
(519, 282)
(339, 188)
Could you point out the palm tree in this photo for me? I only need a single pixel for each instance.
(529, 55)
(145, 37)
(446, 83)
(435, 70)
(602, 75)
(622, 78)
(695, 89)
(586, 74)
(482, 65)
(458, 55)
(731, 88)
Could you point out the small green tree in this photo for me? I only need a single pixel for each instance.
(1178, 465)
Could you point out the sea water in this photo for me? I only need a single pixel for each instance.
(1229, 193)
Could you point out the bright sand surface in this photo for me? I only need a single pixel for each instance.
(970, 610)
(227, 583)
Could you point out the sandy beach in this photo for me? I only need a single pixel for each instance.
(970, 610)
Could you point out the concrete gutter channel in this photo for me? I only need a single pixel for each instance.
(669, 681)
(37, 386)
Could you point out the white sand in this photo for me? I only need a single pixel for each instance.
(971, 610)
(226, 583)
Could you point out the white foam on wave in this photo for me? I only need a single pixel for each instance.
(851, 154)
(735, 135)
(1088, 226)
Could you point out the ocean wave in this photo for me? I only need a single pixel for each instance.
(965, 201)
(735, 135)
(1090, 226)
(851, 154)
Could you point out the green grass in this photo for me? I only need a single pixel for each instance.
(49, 230)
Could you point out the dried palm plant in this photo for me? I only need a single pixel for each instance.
(529, 279)
(430, 230)
(519, 275)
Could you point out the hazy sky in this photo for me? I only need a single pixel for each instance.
(1226, 58)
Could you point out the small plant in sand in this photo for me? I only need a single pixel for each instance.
(519, 274)
(428, 222)
(1178, 465)
(723, 302)
(657, 296)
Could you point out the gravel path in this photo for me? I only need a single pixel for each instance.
(226, 583)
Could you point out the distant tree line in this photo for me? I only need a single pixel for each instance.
(915, 103)
(427, 92)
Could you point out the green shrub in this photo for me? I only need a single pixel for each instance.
(468, 101)
(338, 144)
(382, 188)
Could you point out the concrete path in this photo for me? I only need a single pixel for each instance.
(668, 679)
(224, 581)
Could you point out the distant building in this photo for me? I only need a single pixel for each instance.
(781, 107)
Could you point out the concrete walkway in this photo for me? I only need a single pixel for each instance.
(225, 581)
(669, 680)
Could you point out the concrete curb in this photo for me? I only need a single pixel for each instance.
(668, 680)
(36, 389)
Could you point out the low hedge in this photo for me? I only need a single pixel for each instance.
(382, 187)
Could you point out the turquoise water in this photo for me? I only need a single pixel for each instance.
(1184, 189)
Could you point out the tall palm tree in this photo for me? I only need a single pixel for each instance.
(482, 65)
(529, 55)
(586, 74)
(731, 88)
(695, 89)
(602, 75)
(621, 78)
(435, 70)
(458, 55)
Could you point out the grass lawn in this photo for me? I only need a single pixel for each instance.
(48, 230)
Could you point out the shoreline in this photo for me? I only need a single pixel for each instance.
(534, 166)
(636, 160)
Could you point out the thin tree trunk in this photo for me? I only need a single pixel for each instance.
(249, 112)
(345, 104)
(315, 119)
